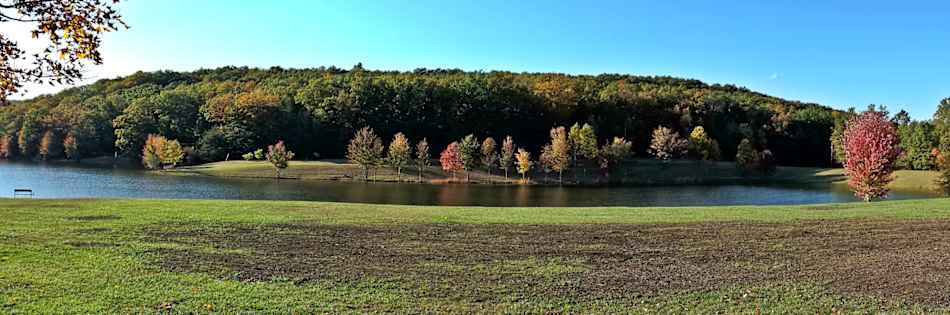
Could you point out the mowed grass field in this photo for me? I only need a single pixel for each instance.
(636, 172)
(202, 256)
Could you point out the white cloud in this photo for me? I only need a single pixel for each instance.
(775, 76)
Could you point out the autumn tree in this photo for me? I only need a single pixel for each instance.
(506, 158)
(365, 149)
(746, 156)
(151, 152)
(667, 144)
(171, 153)
(422, 156)
(70, 31)
(451, 159)
(872, 146)
(701, 146)
(279, 157)
(8, 147)
(560, 152)
(943, 166)
(524, 162)
(400, 152)
(469, 153)
(50, 145)
(489, 154)
(613, 153)
(546, 160)
(71, 147)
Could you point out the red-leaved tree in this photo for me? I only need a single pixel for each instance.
(871, 147)
(451, 159)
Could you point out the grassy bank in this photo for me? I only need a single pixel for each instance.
(639, 172)
(198, 256)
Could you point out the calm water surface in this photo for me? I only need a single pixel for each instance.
(75, 181)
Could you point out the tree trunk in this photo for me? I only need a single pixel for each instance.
(468, 176)
(489, 174)
(560, 177)
(365, 174)
(420, 174)
(398, 174)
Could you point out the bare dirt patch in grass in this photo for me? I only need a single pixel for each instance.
(902, 260)
(83, 244)
(94, 218)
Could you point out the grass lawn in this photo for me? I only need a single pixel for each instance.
(202, 256)
(638, 172)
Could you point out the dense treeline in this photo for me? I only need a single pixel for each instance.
(231, 111)
(921, 141)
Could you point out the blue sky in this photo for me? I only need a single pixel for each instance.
(838, 53)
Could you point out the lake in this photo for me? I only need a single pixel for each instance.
(66, 180)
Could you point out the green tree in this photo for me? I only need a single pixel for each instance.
(837, 140)
(423, 157)
(220, 142)
(171, 113)
(702, 146)
(941, 124)
(746, 156)
(29, 137)
(585, 142)
(917, 144)
(469, 153)
(279, 157)
(171, 153)
(613, 154)
(400, 152)
(365, 149)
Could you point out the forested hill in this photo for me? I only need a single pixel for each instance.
(234, 110)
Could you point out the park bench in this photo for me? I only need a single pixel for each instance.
(22, 192)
